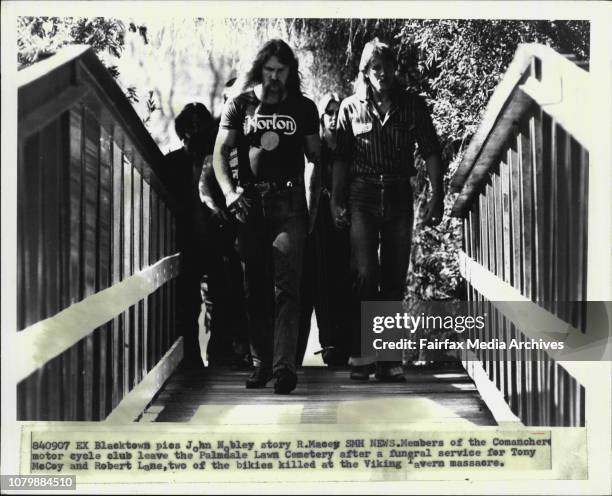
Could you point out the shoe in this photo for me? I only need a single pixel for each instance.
(333, 357)
(259, 378)
(389, 372)
(285, 381)
(361, 372)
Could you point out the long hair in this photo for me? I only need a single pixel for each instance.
(323, 103)
(374, 48)
(273, 48)
(183, 121)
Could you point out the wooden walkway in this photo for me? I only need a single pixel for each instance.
(323, 396)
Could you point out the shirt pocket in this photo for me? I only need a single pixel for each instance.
(402, 136)
(362, 131)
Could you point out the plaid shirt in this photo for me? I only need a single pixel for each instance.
(374, 146)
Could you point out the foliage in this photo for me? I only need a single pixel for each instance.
(454, 64)
(41, 37)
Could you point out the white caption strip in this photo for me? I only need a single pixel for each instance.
(49, 338)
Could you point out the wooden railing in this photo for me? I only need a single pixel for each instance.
(95, 261)
(523, 187)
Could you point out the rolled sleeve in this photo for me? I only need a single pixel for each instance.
(426, 136)
(231, 117)
(345, 140)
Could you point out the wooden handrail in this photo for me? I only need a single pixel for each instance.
(96, 244)
(523, 196)
(553, 88)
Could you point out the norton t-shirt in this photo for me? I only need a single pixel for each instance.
(270, 136)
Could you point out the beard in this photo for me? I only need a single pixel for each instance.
(273, 87)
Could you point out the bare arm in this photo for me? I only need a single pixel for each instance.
(312, 177)
(225, 142)
(209, 190)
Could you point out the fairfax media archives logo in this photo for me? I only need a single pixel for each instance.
(271, 125)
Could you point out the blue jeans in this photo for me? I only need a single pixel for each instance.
(272, 246)
(382, 214)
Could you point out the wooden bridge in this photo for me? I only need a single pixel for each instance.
(97, 262)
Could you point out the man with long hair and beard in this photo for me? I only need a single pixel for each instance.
(273, 126)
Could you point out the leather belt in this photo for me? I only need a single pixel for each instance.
(383, 178)
(271, 186)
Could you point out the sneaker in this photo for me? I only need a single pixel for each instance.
(259, 378)
(389, 372)
(285, 381)
(361, 372)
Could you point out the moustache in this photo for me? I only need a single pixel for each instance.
(273, 85)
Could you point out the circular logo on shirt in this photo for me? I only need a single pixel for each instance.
(269, 140)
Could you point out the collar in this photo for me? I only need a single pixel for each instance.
(394, 93)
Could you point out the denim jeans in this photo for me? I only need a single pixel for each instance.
(271, 246)
(326, 284)
(381, 213)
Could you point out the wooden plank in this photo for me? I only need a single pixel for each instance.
(146, 215)
(51, 168)
(584, 222)
(134, 403)
(475, 231)
(171, 294)
(506, 218)
(517, 221)
(137, 236)
(552, 201)
(562, 203)
(514, 372)
(153, 255)
(117, 267)
(526, 207)
(484, 230)
(50, 111)
(491, 227)
(500, 254)
(29, 229)
(91, 227)
(72, 363)
(508, 103)
(540, 146)
(128, 260)
(220, 387)
(104, 268)
(22, 258)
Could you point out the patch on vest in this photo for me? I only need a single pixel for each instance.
(361, 127)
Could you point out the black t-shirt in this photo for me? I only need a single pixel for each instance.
(270, 137)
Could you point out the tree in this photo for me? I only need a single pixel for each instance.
(41, 37)
(455, 65)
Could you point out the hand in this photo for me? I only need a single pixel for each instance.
(339, 214)
(434, 210)
(219, 215)
(237, 204)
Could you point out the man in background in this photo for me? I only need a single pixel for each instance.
(223, 286)
(181, 172)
